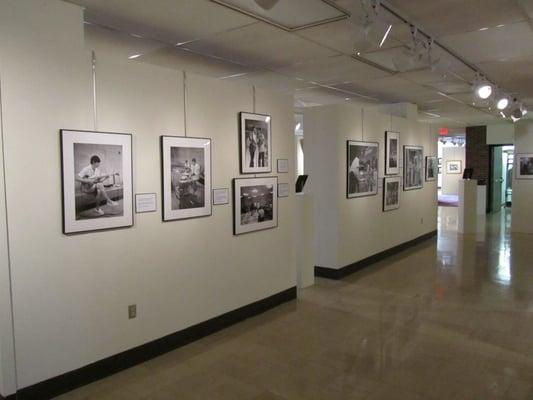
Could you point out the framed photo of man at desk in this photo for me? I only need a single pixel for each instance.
(97, 180)
(186, 171)
(255, 143)
(362, 169)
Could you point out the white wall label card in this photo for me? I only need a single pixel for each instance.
(145, 202)
(220, 196)
(283, 166)
(283, 190)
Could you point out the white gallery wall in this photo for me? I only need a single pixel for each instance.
(350, 230)
(500, 133)
(70, 293)
(450, 182)
(522, 218)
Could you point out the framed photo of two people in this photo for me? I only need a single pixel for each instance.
(255, 143)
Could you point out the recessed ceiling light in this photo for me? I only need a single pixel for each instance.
(500, 26)
(133, 57)
(385, 36)
(347, 98)
(483, 29)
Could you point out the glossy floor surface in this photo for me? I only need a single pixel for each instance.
(449, 319)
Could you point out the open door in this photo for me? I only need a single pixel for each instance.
(496, 179)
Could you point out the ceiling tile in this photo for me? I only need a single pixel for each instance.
(260, 45)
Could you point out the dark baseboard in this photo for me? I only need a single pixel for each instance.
(340, 273)
(100, 369)
(10, 397)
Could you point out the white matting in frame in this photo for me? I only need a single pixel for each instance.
(186, 164)
(255, 205)
(97, 180)
(255, 143)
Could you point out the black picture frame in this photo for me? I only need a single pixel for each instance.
(391, 179)
(389, 136)
(261, 180)
(375, 172)
(165, 212)
(406, 171)
(431, 160)
(259, 118)
(68, 209)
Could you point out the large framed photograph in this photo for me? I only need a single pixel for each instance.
(392, 153)
(255, 204)
(97, 180)
(524, 167)
(454, 167)
(362, 169)
(432, 168)
(413, 168)
(186, 171)
(391, 193)
(255, 143)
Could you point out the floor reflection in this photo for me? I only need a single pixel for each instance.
(451, 318)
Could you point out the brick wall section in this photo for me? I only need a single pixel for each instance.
(477, 152)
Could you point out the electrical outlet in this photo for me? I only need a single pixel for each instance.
(132, 311)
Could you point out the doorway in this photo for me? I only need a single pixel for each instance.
(501, 177)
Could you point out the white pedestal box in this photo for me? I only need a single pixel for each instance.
(467, 216)
(481, 200)
(305, 234)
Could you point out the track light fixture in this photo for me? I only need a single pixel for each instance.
(502, 102)
(266, 4)
(372, 30)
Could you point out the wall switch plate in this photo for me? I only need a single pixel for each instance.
(132, 311)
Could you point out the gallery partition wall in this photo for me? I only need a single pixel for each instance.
(85, 288)
(373, 181)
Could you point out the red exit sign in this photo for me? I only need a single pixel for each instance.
(443, 131)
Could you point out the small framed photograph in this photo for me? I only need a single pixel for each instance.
(413, 169)
(362, 169)
(432, 168)
(391, 193)
(454, 167)
(392, 153)
(255, 143)
(283, 190)
(524, 166)
(186, 172)
(145, 203)
(283, 166)
(255, 204)
(220, 196)
(97, 180)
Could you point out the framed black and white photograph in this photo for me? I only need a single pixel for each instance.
(413, 168)
(391, 193)
(454, 167)
(97, 180)
(432, 168)
(392, 153)
(255, 143)
(255, 204)
(362, 169)
(524, 167)
(186, 172)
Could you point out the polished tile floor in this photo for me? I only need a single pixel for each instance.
(449, 319)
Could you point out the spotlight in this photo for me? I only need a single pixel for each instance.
(502, 103)
(516, 112)
(483, 90)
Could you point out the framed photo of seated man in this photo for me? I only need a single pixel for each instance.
(97, 180)
(186, 171)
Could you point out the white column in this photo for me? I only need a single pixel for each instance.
(305, 235)
(467, 219)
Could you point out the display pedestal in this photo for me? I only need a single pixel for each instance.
(305, 234)
(481, 200)
(467, 218)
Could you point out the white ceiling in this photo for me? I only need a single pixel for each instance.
(317, 63)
